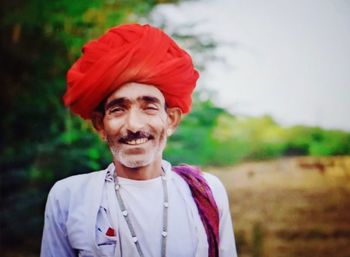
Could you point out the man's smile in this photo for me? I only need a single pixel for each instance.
(137, 138)
(138, 141)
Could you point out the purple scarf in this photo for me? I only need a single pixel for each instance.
(205, 202)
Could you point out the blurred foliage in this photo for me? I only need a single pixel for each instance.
(42, 142)
(211, 136)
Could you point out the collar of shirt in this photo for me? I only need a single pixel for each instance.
(111, 168)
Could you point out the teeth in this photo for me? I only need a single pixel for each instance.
(137, 141)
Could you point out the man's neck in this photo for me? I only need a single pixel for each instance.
(150, 171)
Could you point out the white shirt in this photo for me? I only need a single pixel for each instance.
(80, 209)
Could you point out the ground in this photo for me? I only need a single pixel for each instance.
(290, 207)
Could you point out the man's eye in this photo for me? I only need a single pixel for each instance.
(151, 108)
(116, 110)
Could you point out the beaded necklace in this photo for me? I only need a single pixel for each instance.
(125, 213)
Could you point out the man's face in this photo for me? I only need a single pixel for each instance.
(135, 124)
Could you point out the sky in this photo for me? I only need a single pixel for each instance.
(287, 59)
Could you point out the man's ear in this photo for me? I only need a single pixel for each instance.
(174, 119)
(97, 122)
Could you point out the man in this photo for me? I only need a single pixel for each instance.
(134, 83)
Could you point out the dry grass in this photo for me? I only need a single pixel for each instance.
(290, 207)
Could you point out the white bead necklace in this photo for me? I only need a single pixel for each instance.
(125, 213)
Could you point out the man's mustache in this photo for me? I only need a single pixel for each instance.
(134, 136)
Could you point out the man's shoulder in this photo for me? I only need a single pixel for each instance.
(213, 181)
(216, 186)
(77, 184)
(79, 179)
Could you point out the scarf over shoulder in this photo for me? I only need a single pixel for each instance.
(205, 202)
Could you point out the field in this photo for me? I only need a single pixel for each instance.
(290, 207)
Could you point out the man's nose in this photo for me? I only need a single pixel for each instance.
(134, 121)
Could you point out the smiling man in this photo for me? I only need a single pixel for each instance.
(136, 123)
(134, 83)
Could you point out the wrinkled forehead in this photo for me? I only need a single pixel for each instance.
(134, 91)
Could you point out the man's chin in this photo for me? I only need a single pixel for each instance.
(136, 157)
(133, 157)
(135, 151)
(134, 162)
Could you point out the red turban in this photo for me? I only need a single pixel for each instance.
(130, 53)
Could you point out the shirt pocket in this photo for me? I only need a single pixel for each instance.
(106, 238)
(106, 244)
